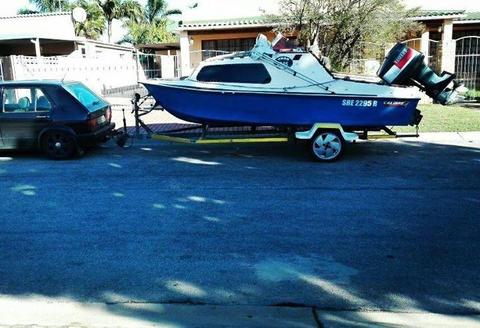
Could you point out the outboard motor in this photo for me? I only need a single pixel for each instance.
(405, 66)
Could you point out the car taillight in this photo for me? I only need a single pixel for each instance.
(108, 114)
(92, 123)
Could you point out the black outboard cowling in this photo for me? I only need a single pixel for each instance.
(405, 66)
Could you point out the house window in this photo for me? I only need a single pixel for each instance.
(235, 73)
(212, 48)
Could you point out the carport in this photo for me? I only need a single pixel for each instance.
(35, 46)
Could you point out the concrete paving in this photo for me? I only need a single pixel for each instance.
(392, 227)
(355, 319)
(48, 312)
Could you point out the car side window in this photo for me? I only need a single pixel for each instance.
(16, 100)
(24, 100)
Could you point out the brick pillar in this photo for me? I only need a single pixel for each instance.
(185, 53)
(448, 47)
(425, 45)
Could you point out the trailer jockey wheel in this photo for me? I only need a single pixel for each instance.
(327, 146)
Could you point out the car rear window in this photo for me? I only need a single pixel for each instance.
(86, 96)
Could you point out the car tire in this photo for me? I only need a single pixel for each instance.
(59, 145)
(327, 146)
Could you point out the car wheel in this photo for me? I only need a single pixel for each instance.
(327, 146)
(59, 144)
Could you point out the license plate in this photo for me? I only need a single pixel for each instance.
(101, 119)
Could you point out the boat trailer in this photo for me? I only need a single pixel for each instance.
(327, 139)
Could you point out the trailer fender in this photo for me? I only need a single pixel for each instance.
(307, 135)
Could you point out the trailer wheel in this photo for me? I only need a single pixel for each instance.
(327, 146)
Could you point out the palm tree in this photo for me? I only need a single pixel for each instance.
(157, 9)
(152, 25)
(118, 9)
(26, 11)
(131, 9)
(49, 5)
(94, 25)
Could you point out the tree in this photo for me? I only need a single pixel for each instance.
(26, 11)
(340, 26)
(94, 25)
(143, 32)
(157, 9)
(153, 24)
(50, 5)
(119, 9)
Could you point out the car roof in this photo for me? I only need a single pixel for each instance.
(36, 82)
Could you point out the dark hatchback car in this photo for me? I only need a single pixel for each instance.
(59, 118)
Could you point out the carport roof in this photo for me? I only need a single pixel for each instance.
(27, 37)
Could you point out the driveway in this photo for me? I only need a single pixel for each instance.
(393, 226)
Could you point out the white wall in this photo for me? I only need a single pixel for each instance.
(52, 26)
(97, 73)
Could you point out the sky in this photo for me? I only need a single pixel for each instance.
(241, 8)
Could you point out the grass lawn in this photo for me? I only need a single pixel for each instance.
(438, 118)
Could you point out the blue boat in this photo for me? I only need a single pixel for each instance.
(292, 88)
(244, 107)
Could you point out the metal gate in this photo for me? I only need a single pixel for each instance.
(467, 65)
(155, 66)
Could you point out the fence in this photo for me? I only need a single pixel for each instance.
(159, 66)
(98, 73)
(366, 58)
(163, 66)
(467, 64)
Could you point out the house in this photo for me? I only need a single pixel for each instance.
(49, 34)
(443, 29)
(45, 46)
(202, 39)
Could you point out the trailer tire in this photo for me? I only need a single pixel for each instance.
(327, 145)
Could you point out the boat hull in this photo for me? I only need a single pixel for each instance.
(212, 106)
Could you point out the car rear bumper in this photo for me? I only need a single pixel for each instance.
(100, 135)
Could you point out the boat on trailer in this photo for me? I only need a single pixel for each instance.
(291, 89)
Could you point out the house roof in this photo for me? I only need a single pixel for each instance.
(246, 22)
(470, 18)
(262, 21)
(423, 15)
(59, 13)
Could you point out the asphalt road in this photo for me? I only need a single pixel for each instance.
(393, 226)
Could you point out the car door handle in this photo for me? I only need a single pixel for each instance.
(41, 116)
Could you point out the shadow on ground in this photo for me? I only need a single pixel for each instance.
(393, 226)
